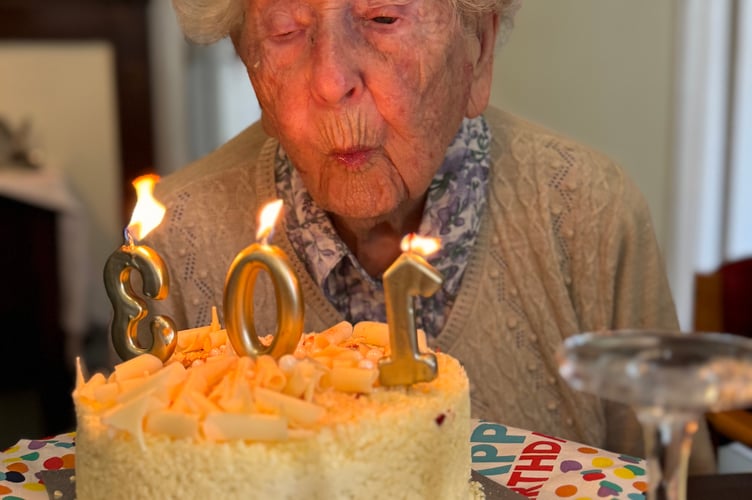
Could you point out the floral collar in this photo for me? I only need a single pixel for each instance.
(456, 199)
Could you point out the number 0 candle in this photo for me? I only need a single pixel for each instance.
(239, 291)
(129, 309)
(408, 276)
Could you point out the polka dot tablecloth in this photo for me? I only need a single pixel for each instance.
(545, 467)
(21, 464)
(532, 464)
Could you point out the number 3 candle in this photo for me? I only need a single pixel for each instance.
(129, 309)
(239, 290)
(408, 276)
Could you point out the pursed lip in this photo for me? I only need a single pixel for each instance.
(353, 158)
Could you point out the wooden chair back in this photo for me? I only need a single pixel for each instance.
(723, 303)
(723, 299)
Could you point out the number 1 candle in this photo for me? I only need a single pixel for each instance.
(239, 289)
(408, 276)
(129, 309)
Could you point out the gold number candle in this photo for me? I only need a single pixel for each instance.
(239, 291)
(408, 276)
(129, 309)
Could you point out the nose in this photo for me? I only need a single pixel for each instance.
(335, 64)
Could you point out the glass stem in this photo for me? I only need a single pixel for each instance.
(668, 440)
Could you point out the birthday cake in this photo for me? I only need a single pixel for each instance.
(314, 424)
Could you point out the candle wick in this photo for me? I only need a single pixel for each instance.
(410, 239)
(128, 237)
(265, 236)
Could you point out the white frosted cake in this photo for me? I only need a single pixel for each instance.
(315, 425)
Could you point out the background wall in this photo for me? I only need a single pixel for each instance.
(602, 73)
(67, 92)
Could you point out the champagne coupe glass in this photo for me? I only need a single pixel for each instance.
(670, 379)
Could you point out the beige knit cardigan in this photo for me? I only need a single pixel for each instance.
(566, 246)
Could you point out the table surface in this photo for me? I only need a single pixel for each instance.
(720, 486)
(525, 462)
(731, 486)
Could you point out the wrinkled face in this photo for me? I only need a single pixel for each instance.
(364, 95)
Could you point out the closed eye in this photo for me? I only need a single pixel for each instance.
(384, 19)
(283, 25)
(286, 34)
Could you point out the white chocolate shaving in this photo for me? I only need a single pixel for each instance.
(223, 396)
(136, 367)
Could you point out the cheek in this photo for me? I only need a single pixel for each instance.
(268, 112)
(435, 85)
(274, 99)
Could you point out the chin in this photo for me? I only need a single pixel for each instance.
(360, 200)
(360, 211)
(365, 214)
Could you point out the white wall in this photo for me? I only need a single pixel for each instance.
(67, 91)
(221, 98)
(168, 56)
(600, 72)
(202, 95)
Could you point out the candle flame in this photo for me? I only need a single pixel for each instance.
(420, 244)
(269, 214)
(148, 212)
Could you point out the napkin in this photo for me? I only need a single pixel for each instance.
(546, 467)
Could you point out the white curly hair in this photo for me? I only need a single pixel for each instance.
(207, 21)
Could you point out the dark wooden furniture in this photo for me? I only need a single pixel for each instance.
(723, 303)
(723, 299)
(123, 23)
(31, 336)
(719, 486)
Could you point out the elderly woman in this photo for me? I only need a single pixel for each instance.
(375, 124)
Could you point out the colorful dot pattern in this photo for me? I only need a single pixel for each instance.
(540, 466)
(591, 474)
(20, 466)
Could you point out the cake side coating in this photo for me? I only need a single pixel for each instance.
(388, 443)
